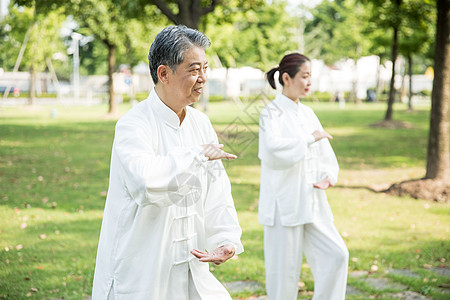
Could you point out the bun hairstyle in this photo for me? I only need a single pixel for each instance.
(290, 64)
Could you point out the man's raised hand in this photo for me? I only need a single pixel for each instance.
(214, 151)
(218, 256)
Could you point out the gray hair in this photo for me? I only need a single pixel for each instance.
(169, 46)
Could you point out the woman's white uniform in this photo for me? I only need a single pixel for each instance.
(296, 216)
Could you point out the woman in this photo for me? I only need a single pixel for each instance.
(297, 166)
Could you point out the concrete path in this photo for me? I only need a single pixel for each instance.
(394, 290)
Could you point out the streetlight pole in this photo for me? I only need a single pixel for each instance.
(76, 37)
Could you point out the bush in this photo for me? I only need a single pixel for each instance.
(139, 97)
(319, 96)
(216, 98)
(426, 93)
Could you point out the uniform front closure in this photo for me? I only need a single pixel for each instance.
(291, 162)
(183, 233)
(149, 230)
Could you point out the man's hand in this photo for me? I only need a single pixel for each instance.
(318, 135)
(323, 184)
(214, 151)
(218, 256)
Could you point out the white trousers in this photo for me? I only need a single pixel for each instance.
(325, 252)
(193, 293)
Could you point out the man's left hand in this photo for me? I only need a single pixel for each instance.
(323, 184)
(218, 256)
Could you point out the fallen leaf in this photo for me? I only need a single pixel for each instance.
(18, 247)
(33, 289)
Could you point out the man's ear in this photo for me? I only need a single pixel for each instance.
(163, 72)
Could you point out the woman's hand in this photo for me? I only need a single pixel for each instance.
(318, 135)
(214, 151)
(217, 257)
(323, 184)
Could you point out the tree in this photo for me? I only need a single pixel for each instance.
(189, 12)
(257, 37)
(438, 157)
(416, 34)
(108, 21)
(388, 15)
(36, 33)
(436, 184)
(105, 20)
(408, 20)
(337, 31)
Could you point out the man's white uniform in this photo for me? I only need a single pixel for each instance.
(164, 199)
(297, 217)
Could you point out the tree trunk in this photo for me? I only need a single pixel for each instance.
(391, 99)
(31, 97)
(438, 157)
(111, 68)
(189, 12)
(410, 63)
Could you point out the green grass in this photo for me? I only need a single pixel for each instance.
(54, 177)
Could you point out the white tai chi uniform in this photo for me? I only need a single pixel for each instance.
(164, 199)
(296, 216)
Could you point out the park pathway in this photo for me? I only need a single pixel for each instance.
(394, 290)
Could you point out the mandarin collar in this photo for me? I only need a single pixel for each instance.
(164, 112)
(287, 103)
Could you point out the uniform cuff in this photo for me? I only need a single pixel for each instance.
(201, 155)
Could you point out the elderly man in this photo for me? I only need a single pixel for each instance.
(169, 196)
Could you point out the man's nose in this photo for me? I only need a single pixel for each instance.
(202, 76)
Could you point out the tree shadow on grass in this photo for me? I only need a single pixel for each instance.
(61, 265)
(63, 164)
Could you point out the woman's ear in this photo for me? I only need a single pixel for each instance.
(163, 73)
(286, 79)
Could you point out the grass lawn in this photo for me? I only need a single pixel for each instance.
(54, 177)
